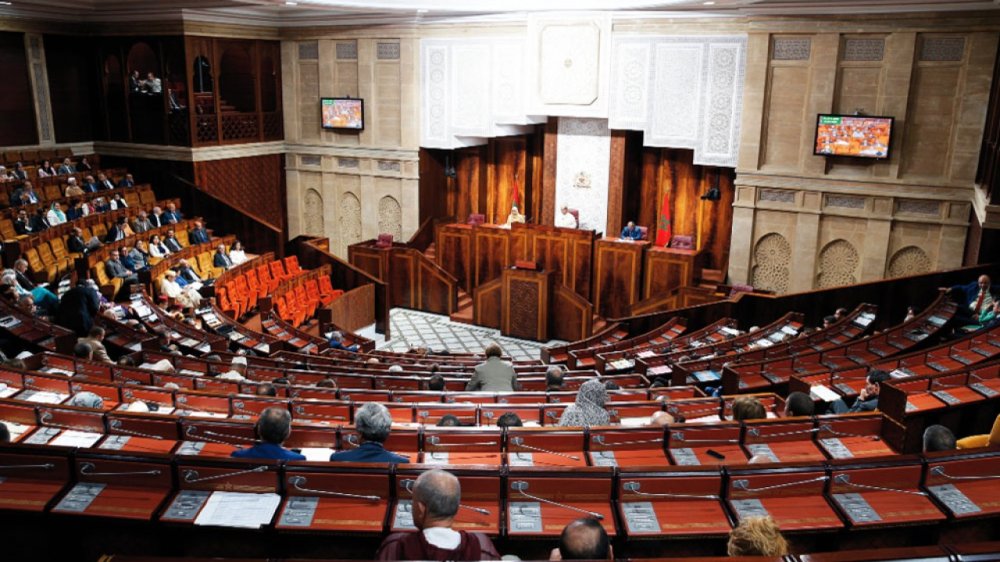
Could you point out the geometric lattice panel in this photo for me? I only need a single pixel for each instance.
(253, 184)
(910, 260)
(838, 264)
(772, 263)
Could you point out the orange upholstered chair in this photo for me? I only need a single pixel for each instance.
(267, 282)
(292, 265)
(327, 293)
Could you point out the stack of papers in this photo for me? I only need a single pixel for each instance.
(823, 393)
(238, 509)
(73, 438)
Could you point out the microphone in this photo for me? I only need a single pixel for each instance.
(519, 441)
(408, 485)
(520, 486)
(299, 482)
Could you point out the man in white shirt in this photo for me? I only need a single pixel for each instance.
(237, 369)
(565, 219)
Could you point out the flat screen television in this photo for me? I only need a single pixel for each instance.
(343, 113)
(855, 136)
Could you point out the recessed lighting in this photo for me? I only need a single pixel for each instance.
(422, 11)
(709, 3)
(290, 3)
(4, 3)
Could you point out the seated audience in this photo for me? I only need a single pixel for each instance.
(171, 242)
(494, 374)
(94, 340)
(631, 232)
(757, 536)
(799, 404)
(588, 410)
(436, 383)
(46, 170)
(221, 258)
(449, 420)
(566, 219)
(84, 165)
(172, 215)
(436, 498)
(136, 258)
(90, 185)
(24, 285)
(266, 389)
(583, 539)
(509, 419)
(156, 218)
(373, 422)
(972, 298)
(514, 216)
(83, 351)
(72, 188)
(748, 408)
(237, 369)
(22, 224)
(55, 215)
(127, 181)
(141, 223)
(273, 428)
(103, 182)
(184, 296)
(76, 244)
(19, 173)
(868, 398)
(660, 419)
(198, 234)
(938, 438)
(554, 378)
(117, 203)
(117, 231)
(237, 254)
(115, 269)
(157, 248)
(25, 195)
(67, 167)
(86, 399)
(829, 321)
(187, 276)
(336, 341)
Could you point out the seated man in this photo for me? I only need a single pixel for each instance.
(972, 298)
(514, 216)
(90, 185)
(799, 404)
(748, 408)
(868, 398)
(938, 438)
(273, 428)
(494, 374)
(114, 268)
(509, 419)
(554, 378)
(436, 383)
(172, 215)
(237, 369)
(631, 232)
(436, 498)
(94, 340)
(565, 219)
(336, 341)
(187, 276)
(198, 234)
(221, 258)
(583, 539)
(127, 181)
(373, 422)
(76, 244)
(141, 223)
(171, 242)
(103, 182)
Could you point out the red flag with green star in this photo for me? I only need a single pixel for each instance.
(663, 230)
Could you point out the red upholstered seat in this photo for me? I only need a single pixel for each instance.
(644, 233)
(384, 240)
(476, 218)
(682, 242)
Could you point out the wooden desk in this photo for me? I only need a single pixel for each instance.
(617, 273)
(667, 269)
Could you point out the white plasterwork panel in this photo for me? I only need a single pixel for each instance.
(584, 147)
(678, 87)
(726, 68)
(630, 80)
(568, 64)
(434, 106)
(470, 89)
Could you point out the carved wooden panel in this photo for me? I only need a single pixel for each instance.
(668, 269)
(453, 244)
(617, 276)
(571, 318)
(492, 253)
(402, 279)
(254, 185)
(524, 305)
(368, 259)
(436, 292)
(487, 302)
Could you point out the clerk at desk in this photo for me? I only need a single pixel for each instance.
(273, 428)
(631, 232)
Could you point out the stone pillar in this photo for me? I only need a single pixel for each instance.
(741, 243)
(38, 74)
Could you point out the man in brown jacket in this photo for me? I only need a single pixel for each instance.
(93, 339)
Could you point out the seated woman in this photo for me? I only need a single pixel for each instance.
(157, 248)
(237, 254)
(184, 296)
(514, 216)
(588, 410)
(55, 215)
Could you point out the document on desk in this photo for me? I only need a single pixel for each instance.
(238, 509)
(73, 438)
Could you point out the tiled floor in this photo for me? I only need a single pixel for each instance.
(411, 328)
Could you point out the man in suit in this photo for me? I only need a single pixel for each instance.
(172, 215)
(494, 374)
(114, 268)
(273, 427)
(103, 182)
(631, 232)
(972, 298)
(39, 222)
(868, 397)
(19, 173)
(186, 275)
(142, 223)
(21, 273)
(137, 259)
(221, 258)
(22, 224)
(76, 244)
(116, 232)
(66, 168)
(156, 218)
(198, 234)
(171, 241)
(373, 422)
(93, 339)
(127, 181)
(89, 185)
(25, 195)
(78, 307)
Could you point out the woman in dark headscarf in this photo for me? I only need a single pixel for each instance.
(589, 407)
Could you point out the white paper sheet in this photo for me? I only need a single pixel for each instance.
(42, 396)
(238, 509)
(823, 393)
(317, 454)
(73, 438)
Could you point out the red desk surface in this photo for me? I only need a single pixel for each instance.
(637, 457)
(896, 508)
(862, 447)
(555, 518)
(732, 453)
(343, 514)
(549, 459)
(797, 513)
(687, 517)
(137, 444)
(23, 494)
(125, 502)
(795, 451)
(453, 457)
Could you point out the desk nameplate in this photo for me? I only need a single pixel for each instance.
(525, 517)
(685, 457)
(836, 448)
(403, 519)
(299, 511)
(640, 517)
(520, 459)
(186, 505)
(954, 499)
(603, 458)
(80, 497)
(749, 508)
(857, 508)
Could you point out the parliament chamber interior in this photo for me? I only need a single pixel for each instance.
(614, 279)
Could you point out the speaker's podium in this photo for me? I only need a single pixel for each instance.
(518, 302)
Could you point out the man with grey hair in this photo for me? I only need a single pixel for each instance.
(436, 498)
(373, 422)
(273, 428)
(554, 378)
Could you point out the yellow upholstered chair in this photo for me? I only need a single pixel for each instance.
(975, 441)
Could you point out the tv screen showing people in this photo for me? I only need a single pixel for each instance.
(854, 136)
(343, 113)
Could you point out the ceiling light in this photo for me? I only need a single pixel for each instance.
(422, 11)
(290, 3)
(4, 3)
(709, 3)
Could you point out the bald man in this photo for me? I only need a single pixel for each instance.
(583, 539)
(436, 497)
(972, 298)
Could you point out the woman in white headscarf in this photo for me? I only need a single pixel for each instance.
(184, 296)
(588, 410)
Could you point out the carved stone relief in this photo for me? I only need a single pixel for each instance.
(390, 217)
(313, 220)
(350, 219)
(838, 265)
(772, 258)
(910, 260)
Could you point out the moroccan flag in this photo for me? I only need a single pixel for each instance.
(663, 230)
(515, 198)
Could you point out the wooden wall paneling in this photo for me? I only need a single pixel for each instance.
(571, 317)
(534, 172)
(72, 85)
(716, 227)
(469, 195)
(616, 184)
(433, 188)
(487, 302)
(355, 309)
(548, 199)
(507, 158)
(368, 259)
(667, 269)
(491, 251)
(617, 276)
(437, 292)
(254, 184)
(453, 244)
(526, 303)
(17, 106)
(522, 244)
(402, 278)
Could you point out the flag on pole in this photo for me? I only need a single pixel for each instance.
(663, 230)
(515, 197)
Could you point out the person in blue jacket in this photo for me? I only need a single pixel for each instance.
(631, 232)
(273, 428)
(373, 422)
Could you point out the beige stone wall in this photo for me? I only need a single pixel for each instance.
(351, 186)
(803, 221)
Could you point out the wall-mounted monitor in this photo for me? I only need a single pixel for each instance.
(346, 114)
(855, 136)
